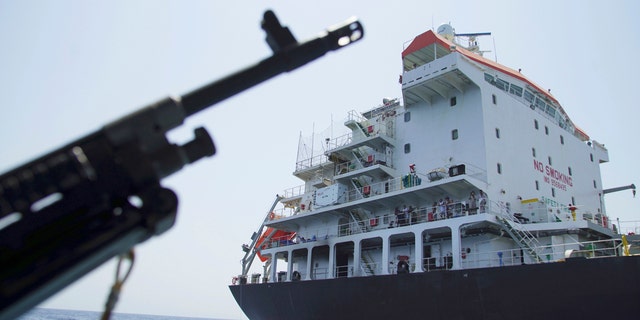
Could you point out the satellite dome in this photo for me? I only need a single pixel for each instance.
(447, 31)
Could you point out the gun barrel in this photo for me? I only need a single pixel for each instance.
(284, 60)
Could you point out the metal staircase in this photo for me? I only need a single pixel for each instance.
(356, 124)
(360, 218)
(525, 240)
(367, 264)
(357, 224)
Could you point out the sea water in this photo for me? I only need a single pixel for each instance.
(59, 314)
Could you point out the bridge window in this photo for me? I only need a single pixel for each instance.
(529, 96)
(502, 85)
(515, 90)
(540, 104)
(489, 78)
(551, 110)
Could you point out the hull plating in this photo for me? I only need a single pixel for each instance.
(576, 289)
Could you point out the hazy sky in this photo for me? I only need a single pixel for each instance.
(69, 67)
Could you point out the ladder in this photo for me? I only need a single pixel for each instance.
(525, 240)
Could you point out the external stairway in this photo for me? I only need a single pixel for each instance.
(525, 240)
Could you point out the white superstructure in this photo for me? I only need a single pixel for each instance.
(396, 192)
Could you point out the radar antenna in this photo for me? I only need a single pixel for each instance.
(472, 42)
(447, 31)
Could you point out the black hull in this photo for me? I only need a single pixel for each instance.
(577, 289)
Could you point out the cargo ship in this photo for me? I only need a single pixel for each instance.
(472, 196)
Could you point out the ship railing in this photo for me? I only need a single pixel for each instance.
(368, 160)
(368, 130)
(339, 141)
(294, 191)
(629, 227)
(320, 273)
(284, 212)
(383, 109)
(399, 183)
(413, 215)
(437, 263)
(597, 249)
(282, 276)
(386, 186)
(343, 271)
(299, 238)
(370, 127)
(382, 187)
(550, 253)
(312, 162)
(498, 258)
(356, 116)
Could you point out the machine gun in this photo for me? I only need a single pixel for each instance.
(69, 211)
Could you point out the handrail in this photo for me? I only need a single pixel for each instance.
(387, 186)
(354, 115)
(498, 258)
(358, 164)
(340, 141)
(311, 162)
(294, 191)
(550, 254)
(419, 215)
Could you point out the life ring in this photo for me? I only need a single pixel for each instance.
(234, 280)
(272, 216)
(295, 276)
